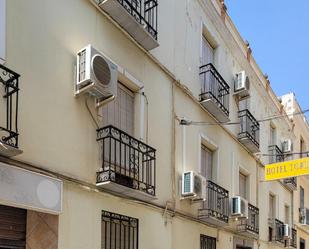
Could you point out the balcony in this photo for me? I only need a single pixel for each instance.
(249, 134)
(292, 243)
(129, 165)
(215, 93)
(276, 155)
(250, 227)
(137, 17)
(304, 216)
(290, 183)
(9, 107)
(276, 232)
(215, 210)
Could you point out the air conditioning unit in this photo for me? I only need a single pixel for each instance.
(287, 146)
(242, 84)
(304, 216)
(193, 186)
(286, 231)
(239, 207)
(96, 74)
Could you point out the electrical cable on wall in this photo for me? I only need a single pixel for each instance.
(190, 122)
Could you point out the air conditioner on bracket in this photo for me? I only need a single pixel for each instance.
(304, 216)
(287, 146)
(239, 207)
(193, 186)
(96, 75)
(242, 84)
(286, 231)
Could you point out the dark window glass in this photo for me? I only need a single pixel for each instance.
(208, 242)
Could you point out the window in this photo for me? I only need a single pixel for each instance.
(302, 243)
(273, 137)
(207, 52)
(242, 185)
(120, 112)
(207, 242)
(287, 214)
(206, 162)
(302, 197)
(302, 148)
(272, 207)
(2, 30)
(118, 231)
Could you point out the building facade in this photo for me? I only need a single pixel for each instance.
(141, 124)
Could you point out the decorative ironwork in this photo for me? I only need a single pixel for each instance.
(252, 223)
(293, 240)
(8, 129)
(249, 127)
(276, 155)
(208, 242)
(214, 87)
(292, 181)
(144, 12)
(119, 231)
(276, 231)
(216, 204)
(126, 160)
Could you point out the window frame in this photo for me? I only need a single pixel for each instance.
(119, 218)
(204, 239)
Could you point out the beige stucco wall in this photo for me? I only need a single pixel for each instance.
(58, 134)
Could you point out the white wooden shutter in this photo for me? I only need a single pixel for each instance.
(206, 162)
(271, 207)
(242, 185)
(2, 30)
(207, 52)
(120, 112)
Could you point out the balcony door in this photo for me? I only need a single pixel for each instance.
(207, 52)
(206, 162)
(120, 112)
(119, 155)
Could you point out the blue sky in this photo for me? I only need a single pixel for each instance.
(278, 32)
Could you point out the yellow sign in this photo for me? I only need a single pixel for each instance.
(287, 169)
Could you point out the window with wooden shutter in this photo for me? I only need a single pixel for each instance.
(273, 137)
(207, 52)
(120, 112)
(2, 30)
(12, 227)
(272, 207)
(302, 197)
(206, 162)
(242, 185)
(287, 214)
(302, 148)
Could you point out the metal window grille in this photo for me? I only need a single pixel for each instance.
(207, 242)
(119, 231)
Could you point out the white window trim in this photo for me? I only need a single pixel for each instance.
(203, 139)
(204, 32)
(2, 31)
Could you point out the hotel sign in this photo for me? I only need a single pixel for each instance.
(287, 169)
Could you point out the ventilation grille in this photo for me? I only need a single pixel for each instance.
(101, 70)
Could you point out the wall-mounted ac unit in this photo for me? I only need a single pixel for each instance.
(286, 231)
(287, 146)
(193, 186)
(96, 74)
(239, 207)
(242, 84)
(304, 216)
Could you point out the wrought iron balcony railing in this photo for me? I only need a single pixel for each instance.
(126, 161)
(216, 205)
(214, 87)
(249, 130)
(276, 231)
(293, 240)
(138, 17)
(251, 224)
(9, 124)
(291, 182)
(276, 154)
